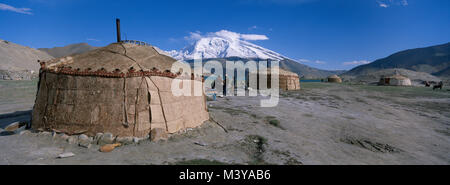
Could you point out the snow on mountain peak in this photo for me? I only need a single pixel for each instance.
(223, 44)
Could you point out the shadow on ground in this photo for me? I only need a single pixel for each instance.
(18, 116)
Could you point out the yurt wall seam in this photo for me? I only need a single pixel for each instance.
(46, 102)
(136, 112)
(125, 102)
(149, 103)
(55, 100)
(162, 107)
(125, 54)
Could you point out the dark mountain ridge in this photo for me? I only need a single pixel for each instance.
(433, 60)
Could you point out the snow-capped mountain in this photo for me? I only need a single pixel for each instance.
(224, 44)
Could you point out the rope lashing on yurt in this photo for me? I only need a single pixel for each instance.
(160, 101)
(125, 54)
(126, 124)
(136, 110)
(83, 93)
(149, 102)
(125, 102)
(46, 103)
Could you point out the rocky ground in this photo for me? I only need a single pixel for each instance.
(321, 124)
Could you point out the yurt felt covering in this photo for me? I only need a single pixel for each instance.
(334, 79)
(76, 96)
(396, 80)
(287, 80)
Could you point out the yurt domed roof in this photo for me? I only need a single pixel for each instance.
(114, 60)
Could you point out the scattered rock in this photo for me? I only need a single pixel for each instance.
(72, 139)
(371, 145)
(200, 143)
(84, 141)
(62, 136)
(125, 140)
(97, 137)
(25, 132)
(45, 133)
(83, 137)
(107, 138)
(12, 127)
(109, 147)
(136, 140)
(20, 129)
(66, 155)
(158, 134)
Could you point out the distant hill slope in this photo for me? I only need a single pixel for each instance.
(68, 50)
(306, 71)
(431, 60)
(19, 62)
(443, 73)
(290, 65)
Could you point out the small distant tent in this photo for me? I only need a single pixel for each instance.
(395, 80)
(123, 89)
(287, 80)
(334, 79)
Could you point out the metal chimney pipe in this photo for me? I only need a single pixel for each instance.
(118, 30)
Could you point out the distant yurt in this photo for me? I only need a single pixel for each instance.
(287, 80)
(334, 79)
(395, 80)
(123, 88)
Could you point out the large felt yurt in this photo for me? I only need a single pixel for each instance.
(334, 79)
(123, 89)
(287, 80)
(395, 80)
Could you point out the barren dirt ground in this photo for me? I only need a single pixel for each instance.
(320, 124)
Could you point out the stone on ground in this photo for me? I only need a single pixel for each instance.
(84, 141)
(25, 132)
(12, 127)
(72, 139)
(125, 140)
(158, 134)
(97, 137)
(107, 138)
(66, 155)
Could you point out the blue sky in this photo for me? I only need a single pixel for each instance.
(328, 34)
